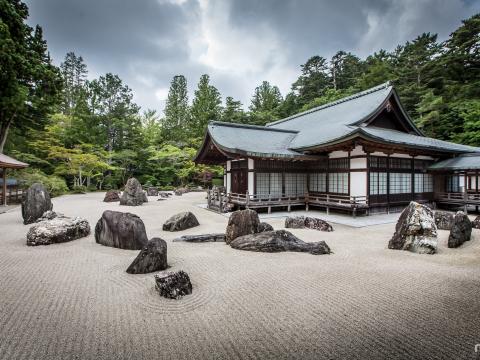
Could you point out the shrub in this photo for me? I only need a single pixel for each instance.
(79, 189)
(54, 184)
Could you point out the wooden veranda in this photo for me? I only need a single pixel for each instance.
(7, 162)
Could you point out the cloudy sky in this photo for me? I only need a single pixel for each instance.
(238, 42)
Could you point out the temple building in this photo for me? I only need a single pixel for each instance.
(361, 153)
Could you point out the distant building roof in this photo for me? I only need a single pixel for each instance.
(463, 162)
(329, 125)
(9, 162)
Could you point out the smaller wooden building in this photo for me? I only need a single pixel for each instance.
(7, 162)
(360, 153)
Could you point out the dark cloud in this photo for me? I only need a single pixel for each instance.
(238, 42)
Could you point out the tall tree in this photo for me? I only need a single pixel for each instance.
(314, 80)
(111, 102)
(206, 106)
(29, 83)
(265, 102)
(233, 111)
(345, 68)
(177, 115)
(378, 69)
(74, 73)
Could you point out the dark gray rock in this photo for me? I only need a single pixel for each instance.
(241, 222)
(181, 191)
(476, 223)
(415, 230)
(202, 238)
(112, 196)
(181, 221)
(152, 257)
(133, 194)
(263, 226)
(145, 197)
(165, 194)
(302, 222)
(121, 230)
(443, 220)
(173, 285)
(461, 230)
(152, 191)
(57, 230)
(36, 201)
(276, 241)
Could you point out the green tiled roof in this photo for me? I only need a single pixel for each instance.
(325, 125)
(463, 162)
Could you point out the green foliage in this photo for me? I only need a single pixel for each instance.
(265, 103)
(177, 113)
(55, 185)
(206, 106)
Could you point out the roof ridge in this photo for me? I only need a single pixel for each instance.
(249, 126)
(333, 103)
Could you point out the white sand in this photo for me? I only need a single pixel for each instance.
(75, 301)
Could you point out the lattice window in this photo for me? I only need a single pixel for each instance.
(400, 183)
(340, 163)
(399, 163)
(453, 183)
(378, 183)
(423, 183)
(269, 184)
(318, 182)
(378, 162)
(295, 184)
(338, 183)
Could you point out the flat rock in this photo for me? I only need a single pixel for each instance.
(164, 194)
(121, 230)
(461, 230)
(36, 201)
(181, 221)
(276, 241)
(153, 257)
(443, 220)
(173, 285)
(219, 237)
(263, 226)
(112, 196)
(57, 230)
(133, 194)
(415, 230)
(302, 222)
(241, 222)
(49, 215)
(152, 191)
(476, 223)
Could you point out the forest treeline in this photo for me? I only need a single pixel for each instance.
(78, 133)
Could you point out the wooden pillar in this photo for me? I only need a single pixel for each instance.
(5, 186)
(465, 193)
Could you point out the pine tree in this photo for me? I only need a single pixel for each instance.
(314, 80)
(345, 68)
(206, 106)
(233, 111)
(265, 102)
(74, 73)
(175, 125)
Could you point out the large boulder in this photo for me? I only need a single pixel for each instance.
(181, 221)
(301, 222)
(36, 201)
(263, 226)
(173, 285)
(241, 222)
(415, 230)
(48, 215)
(112, 196)
(276, 241)
(133, 194)
(152, 191)
(476, 223)
(218, 237)
(57, 230)
(461, 230)
(153, 257)
(121, 230)
(443, 220)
